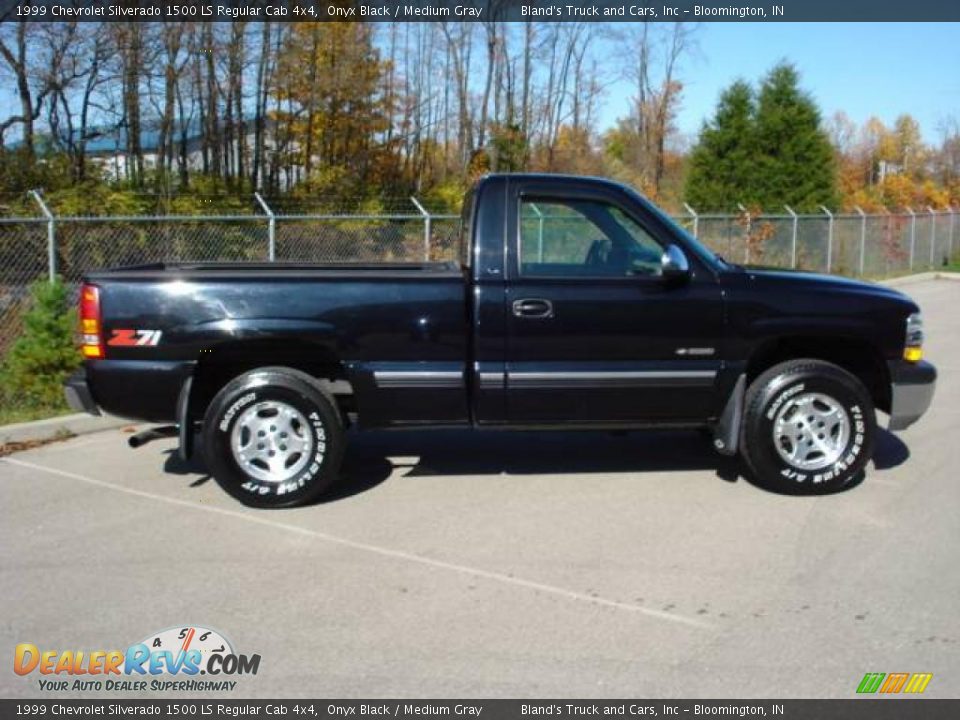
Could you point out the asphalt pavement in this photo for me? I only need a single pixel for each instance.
(461, 564)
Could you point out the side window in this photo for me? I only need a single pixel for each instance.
(583, 238)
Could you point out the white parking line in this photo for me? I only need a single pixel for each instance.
(260, 519)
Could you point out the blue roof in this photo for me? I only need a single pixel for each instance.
(110, 139)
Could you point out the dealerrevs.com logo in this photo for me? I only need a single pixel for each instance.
(180, 652)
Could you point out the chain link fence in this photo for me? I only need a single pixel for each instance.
(47, 244)
(856, 245)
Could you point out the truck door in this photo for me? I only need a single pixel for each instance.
(595, 336)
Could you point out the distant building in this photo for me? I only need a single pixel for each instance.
(885, 168)
(107, 150)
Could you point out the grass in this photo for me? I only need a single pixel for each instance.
(11, 412)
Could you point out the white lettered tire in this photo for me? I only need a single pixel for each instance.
(809, 427)
(273, 438)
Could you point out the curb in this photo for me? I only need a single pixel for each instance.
(59, 427)
(920, 277)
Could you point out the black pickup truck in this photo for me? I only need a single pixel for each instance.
(576, 304)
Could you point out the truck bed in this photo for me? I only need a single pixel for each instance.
(359, 322)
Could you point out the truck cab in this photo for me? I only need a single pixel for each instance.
(578, 319)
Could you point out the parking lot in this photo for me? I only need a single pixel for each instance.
(507, 564)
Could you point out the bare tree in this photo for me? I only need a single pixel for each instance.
(15, 49)
(266, 62)
(528, 41)
(658, 53)
(236, 143)
(212, 129)
(78, 63)
(495, 37)
(563, 43)
(128, 41)
(174, 64)
(459, 38)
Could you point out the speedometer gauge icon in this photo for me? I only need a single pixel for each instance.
(184, 638)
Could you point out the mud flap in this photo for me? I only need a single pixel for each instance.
(726, 433)
(184, 423)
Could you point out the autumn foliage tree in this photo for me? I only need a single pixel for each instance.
(892, 167)
(328, 89)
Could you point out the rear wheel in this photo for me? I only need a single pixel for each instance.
(273, 438)
(809, 426)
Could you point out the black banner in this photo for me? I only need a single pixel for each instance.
(482, 10)
(856, 709)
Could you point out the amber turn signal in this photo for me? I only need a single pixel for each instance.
(913, 354)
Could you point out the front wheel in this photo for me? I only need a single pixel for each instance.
(809, 426)
(273, 438)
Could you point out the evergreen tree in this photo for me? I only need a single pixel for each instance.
(722, 163)
(764, 152)
(794, 157)
(45, 353)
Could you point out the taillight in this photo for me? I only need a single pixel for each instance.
(91, 340)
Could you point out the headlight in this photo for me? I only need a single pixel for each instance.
(913, 348)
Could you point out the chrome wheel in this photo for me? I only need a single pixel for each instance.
(810, 431)
(271, 441)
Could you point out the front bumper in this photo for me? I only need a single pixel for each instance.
(78, 394)
(911, 392)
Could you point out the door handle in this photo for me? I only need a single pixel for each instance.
(535, 308)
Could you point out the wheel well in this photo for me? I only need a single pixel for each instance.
(223, 363)
(858, 357)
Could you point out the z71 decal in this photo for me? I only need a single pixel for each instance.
(124, 337)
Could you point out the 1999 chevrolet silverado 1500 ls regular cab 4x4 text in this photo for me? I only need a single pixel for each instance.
(576, 304)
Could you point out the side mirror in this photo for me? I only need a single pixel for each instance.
(673, 264)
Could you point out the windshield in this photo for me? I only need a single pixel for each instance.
(701, 250)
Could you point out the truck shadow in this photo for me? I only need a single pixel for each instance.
(890, 451)
(463, 453)
(374, 457)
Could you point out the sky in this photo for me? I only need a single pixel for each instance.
(864, 69)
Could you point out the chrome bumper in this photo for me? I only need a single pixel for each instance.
(912, 393)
